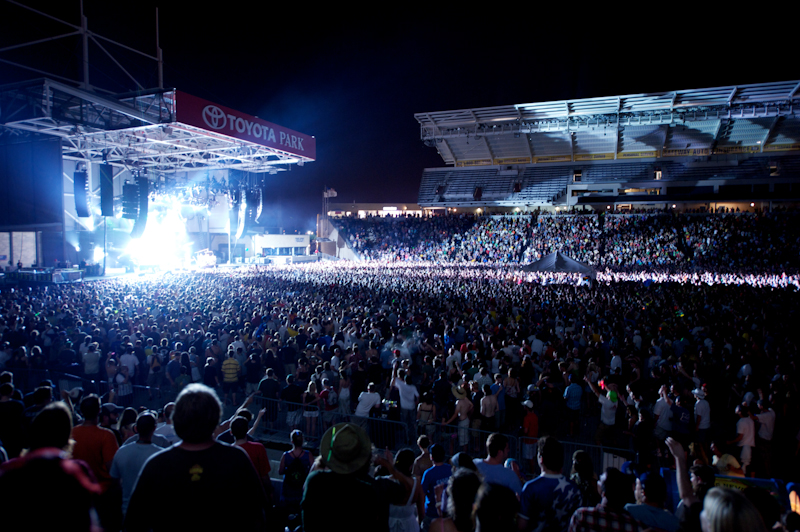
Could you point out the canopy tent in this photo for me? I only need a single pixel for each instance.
(558, 262)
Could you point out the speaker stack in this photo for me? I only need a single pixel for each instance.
(80, 183)
(106, 190)
(143, 188)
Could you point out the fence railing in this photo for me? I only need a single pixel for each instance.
(387, 430)
(281, 417)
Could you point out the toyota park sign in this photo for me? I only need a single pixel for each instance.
(206, 115)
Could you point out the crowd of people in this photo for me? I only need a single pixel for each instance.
(694, 371)
(577, 236)
(689, 241)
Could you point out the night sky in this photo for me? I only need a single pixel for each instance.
(354, 78)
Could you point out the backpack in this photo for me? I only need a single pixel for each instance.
(333, 398)
(155, 363)
(296, 473)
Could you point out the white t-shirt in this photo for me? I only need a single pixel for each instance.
(130, 360)
(664, 413)
(167, 430)
(767, 421)
(366, 401)
(408, 394)
(608, 411)
(703, 410)
(536, 345)
(747, 429)
(450, 358)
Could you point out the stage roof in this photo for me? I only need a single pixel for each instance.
(721, 120)
(163, 131)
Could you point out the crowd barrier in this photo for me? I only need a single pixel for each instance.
(46, 276)
(387, 430)
(780, 491)
(281, 417)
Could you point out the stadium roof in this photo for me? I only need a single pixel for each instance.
(736, 119)
(165, 131)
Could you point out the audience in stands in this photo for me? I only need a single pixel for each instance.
(723, 242)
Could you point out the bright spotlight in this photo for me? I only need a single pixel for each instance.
(164, 242)
(98, 254)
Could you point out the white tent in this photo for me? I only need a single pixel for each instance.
(558, 262)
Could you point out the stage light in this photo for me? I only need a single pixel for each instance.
(98, 254)
(164, 241)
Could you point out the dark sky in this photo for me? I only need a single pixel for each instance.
(354, 78)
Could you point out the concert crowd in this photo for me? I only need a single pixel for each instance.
(679, 356)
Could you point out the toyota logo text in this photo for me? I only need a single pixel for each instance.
(214, 117)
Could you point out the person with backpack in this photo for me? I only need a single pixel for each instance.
(330, 399)
(155, 375)
(295, 466)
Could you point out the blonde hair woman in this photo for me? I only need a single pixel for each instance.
(310, 408)
(726, 510)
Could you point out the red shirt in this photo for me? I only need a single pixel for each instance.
(258, 455)
(96, 446)
(530, 427)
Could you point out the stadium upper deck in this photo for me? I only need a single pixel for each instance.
(685, 145)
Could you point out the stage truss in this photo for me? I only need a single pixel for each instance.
(136, 131)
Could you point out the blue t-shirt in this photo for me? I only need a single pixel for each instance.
(501, 397)
(548, 502)
(573, 396)
(438, 474)
(653, 517)
(497, 474)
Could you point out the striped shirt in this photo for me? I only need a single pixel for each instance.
(230, 370)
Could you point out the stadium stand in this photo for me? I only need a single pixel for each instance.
(710, 144)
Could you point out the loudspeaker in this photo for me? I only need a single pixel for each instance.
(80, 186)
(242, 211)
(141, 221)
(106, 190)
(258, 201)
(130, 201)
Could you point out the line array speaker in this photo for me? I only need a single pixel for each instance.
(139, 225)
(80, 186)
(106, 190)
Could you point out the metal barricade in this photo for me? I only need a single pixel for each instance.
(27, 380)
(602, 457)
(457, 439)
(281, 417)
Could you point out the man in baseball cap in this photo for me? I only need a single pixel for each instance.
(702, 416)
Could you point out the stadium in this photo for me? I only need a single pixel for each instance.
(606, 286)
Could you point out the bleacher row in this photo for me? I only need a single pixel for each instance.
(718, 242)
(543, 183)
